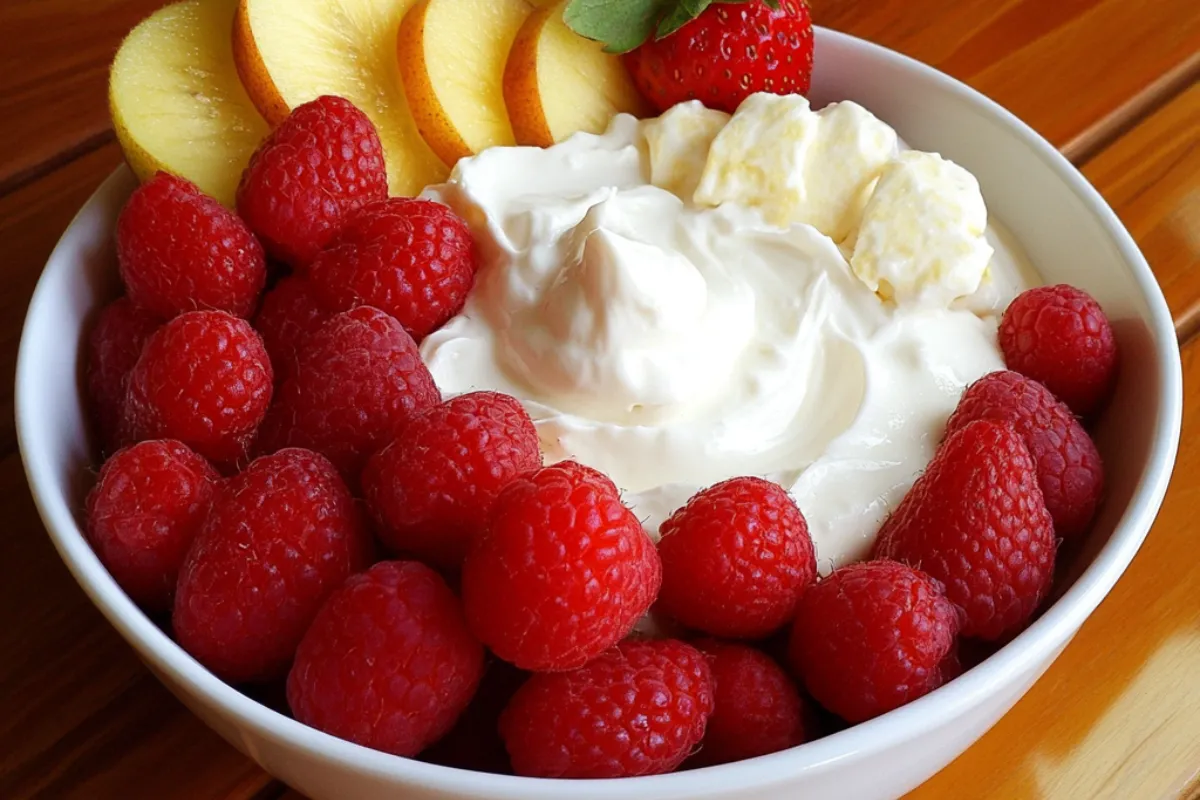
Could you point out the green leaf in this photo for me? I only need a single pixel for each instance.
(620, 24)
(683, 13)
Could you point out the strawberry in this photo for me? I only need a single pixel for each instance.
(717, 52)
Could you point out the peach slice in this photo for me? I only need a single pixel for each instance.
(176, 102)
(291, 51)
(452, 55)
(556, 82)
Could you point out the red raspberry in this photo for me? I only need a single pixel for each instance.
(951, 666)
(1069, 471)
(976, 521)
(756, 708)
(414, 259)
(735, 559)
(289, 312)
(357, 380)
(322, 163)
(114, 346)
(1059, 336)
(639, 709)
(871, 637)
(563, 573)
(433, 488)
(388, 662)
(205, 379)
(143, 514)
(280, 537)
(180, 250)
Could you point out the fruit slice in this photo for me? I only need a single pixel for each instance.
(556, 82)
(176, 102)
(291, 51)
(452, 55)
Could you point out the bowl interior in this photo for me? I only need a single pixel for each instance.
(1069, 234)
(1067, 238)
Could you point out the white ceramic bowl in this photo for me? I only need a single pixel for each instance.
(1067, 229)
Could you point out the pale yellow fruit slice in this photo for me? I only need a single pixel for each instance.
(176, 102)
(289, 52)
(452, 55)
(557, 83)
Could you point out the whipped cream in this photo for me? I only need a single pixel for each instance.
(674, 316)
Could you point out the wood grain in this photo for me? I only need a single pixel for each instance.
(1151, 177)
(1117, 715)
(53, 79)
(1068, 67)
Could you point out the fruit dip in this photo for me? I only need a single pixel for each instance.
(785, 293)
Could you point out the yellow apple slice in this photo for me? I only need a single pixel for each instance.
(452, 55)
(176, 102)
(557, 83)
(289, 52)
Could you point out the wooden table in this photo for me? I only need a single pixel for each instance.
(1112, 82)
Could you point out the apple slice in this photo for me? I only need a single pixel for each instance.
(452, 55)
(291, 51)
(176, 102)
(556, 82)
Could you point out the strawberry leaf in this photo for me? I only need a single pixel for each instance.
(684, 12)
(621, 25)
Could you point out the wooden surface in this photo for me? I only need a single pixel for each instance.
(1110, 82)
(1151, 176)
(53, 79)
(1073, 69)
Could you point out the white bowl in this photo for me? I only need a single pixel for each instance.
(1067, 229)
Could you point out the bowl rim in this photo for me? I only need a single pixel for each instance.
(1050, 632)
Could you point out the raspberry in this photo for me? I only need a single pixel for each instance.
(735, 559)
(871, 637)
(180, 250)
(433, 488)
(976, 521)
(322, 163)
(951, 666)
(290, 311)
(280, 537)
(1069, 471)
(563, 572)
(205, 379)
(756, 708)
(1059, 336)
(143, 514)
(114, 346)
(414, 259)
(388, 662)
(357, 380)
(639, 709)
